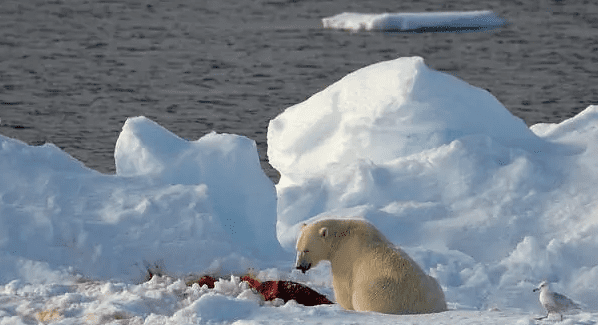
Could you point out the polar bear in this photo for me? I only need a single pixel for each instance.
(369, 273)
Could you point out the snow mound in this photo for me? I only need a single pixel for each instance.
(242, 196)
(486, 205)
(384, 111)
(434, 21)
(183, 206)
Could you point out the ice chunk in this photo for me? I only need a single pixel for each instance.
(426, 21)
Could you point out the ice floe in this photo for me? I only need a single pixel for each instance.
(420, 21)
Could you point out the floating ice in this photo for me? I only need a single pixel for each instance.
(424, 21)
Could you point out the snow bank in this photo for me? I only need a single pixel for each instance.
(486, 205)
(434, 21)
(186, 206)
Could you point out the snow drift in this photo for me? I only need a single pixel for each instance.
(189, 206)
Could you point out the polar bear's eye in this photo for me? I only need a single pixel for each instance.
(306, 251)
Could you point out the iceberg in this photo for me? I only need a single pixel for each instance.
(424, 21)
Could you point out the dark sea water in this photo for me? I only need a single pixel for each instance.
(72, 71)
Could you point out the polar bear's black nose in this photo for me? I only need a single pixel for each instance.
(304, 267)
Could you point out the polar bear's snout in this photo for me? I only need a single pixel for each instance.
(304, 266)
(302, 263)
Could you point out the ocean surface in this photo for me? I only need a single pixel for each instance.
(72, 71)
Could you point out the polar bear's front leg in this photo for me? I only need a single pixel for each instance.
(343, 292)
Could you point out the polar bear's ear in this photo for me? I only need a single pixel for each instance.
(303, 225)
(324, 232)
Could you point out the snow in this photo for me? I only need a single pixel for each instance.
(434, 21)
(168, 205)
(483, 203)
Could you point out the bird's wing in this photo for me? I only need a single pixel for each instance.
(563, 301)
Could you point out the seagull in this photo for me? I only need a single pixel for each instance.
(554, 302)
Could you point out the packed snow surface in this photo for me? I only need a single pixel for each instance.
(483, 203)
(433, 21)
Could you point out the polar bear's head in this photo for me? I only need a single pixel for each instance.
(313, 245)
(321, 240)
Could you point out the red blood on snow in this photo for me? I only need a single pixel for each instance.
(287, 290)
(207, 280)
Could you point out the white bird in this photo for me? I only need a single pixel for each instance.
(554, 302)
